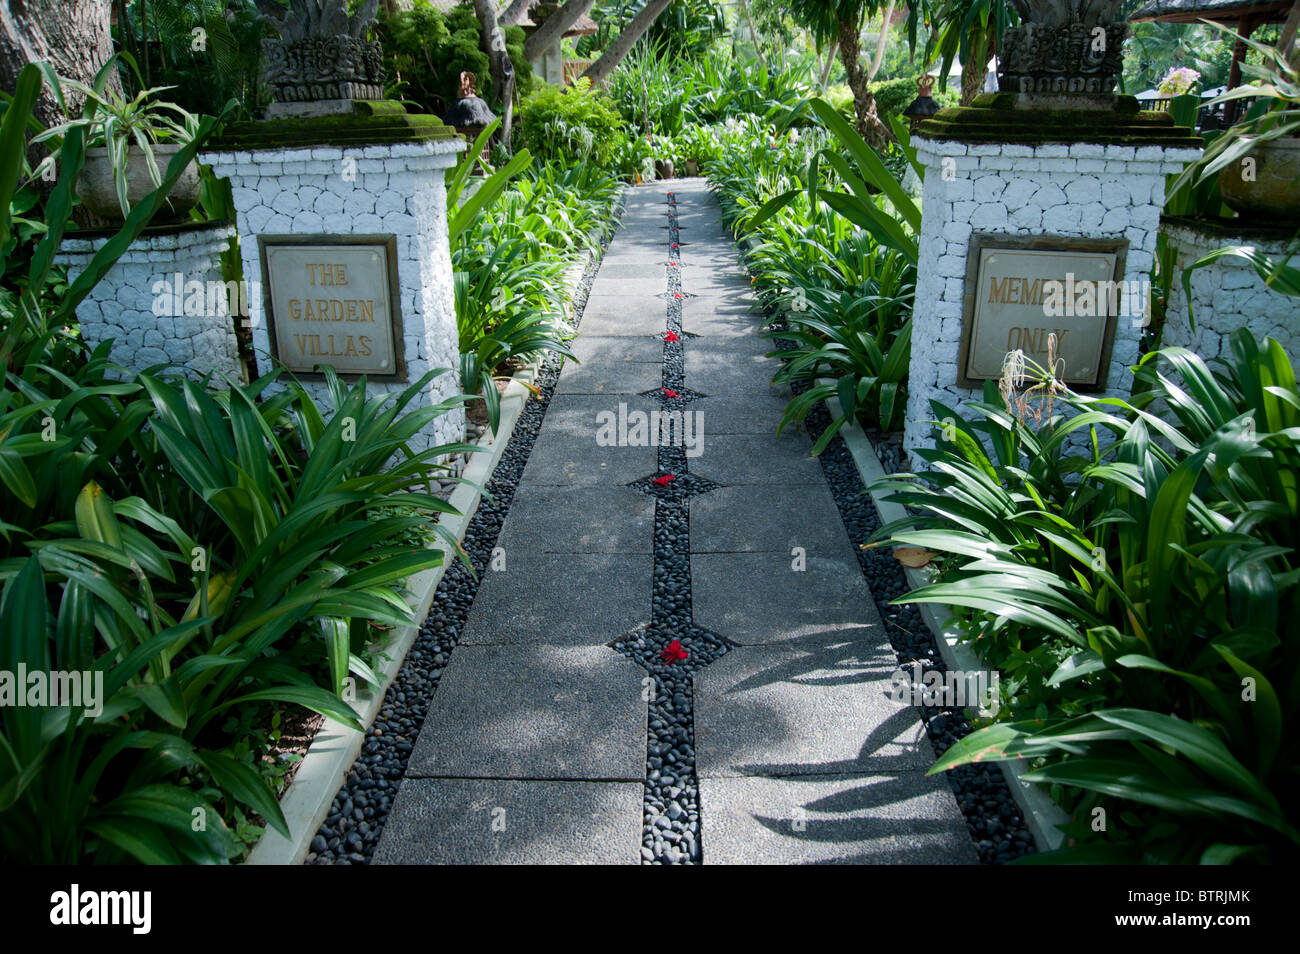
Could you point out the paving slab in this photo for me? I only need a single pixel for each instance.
(820, 704)
(639, 271)
(604, 595)
(563, 459)
(624, 315)
(756, 598)
(610, 286)
(578, 520)
(538, 711)
(754, 518)
(720, 369)
(864, 819)
(455, 821)
(748, 414)
(612, 378)
(766, 458)
(591, 349)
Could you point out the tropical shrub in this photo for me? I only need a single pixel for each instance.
(1147, 575)
(570, 125)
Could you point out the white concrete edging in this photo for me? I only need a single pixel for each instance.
(335, 747)
(1042, 815)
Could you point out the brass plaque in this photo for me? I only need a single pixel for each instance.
(334, 300)
(1021, 290)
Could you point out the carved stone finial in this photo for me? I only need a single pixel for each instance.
(321, 53)
(468, 84)
(1063, 50)
(925, 86)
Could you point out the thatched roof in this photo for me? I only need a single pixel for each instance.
(1219, 11)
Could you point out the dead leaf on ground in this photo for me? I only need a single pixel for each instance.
(914, 557)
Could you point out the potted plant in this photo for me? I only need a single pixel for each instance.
(1257, 161)
(129, 143)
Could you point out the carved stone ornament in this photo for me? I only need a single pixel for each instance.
(321, 53)
(1063, 48)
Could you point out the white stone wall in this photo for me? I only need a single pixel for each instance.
(1070, 190)
(1226, 295)
(125, 305)
(395, 189)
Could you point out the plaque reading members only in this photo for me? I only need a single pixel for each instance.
(1021, 290)
(334, 300)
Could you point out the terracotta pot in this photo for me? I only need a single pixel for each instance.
(692, 168)
(96, 190)
(1270, 191)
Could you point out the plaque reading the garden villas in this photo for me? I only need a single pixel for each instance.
(334, 300)
(1022, 290)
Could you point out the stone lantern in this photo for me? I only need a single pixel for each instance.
(470, 115)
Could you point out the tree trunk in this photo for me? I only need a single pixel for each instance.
(869, 125)
(503, 71)
(624, 42)
(516, 13)
(753, 33)
(974, 71)
(552, 30)
(881, 41)
(830, 64)
(72, 35)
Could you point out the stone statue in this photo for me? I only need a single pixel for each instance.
(1071, 49)
(321, 57)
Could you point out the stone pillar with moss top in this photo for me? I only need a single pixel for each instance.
(373, 175)
(1056, 173)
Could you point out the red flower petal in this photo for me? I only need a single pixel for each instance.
(663, 480)
(671, 336)
(669, 392)
(678, 295)
(673, 652)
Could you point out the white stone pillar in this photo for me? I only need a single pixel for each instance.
(163, 301)
(1067, 190)
(393, 189)
(1228, 294)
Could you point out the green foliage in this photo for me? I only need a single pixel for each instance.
(205, 554)
(570, 125)
(1154, 576)
(425, 51)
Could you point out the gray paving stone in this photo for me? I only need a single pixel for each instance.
(748, 414)
(624, 315)
(537, 711)
(613, 378)
(723, 297)
(611, 286)
(735, 459)
(874, 820)
(720, 369)
(594, 349)
(820, 704)
(604, 595)
(640, 271)
(755, 598)
(755, 518)
(578, 520)
(455, 821)
(560, 459)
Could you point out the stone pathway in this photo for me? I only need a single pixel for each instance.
(677, 659)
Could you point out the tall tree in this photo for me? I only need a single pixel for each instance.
(881, 41)
(830, 21)
(72, 35)
(553, 29)
(624, 42)
(503, 71)
(516, 13)
(967, 29)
